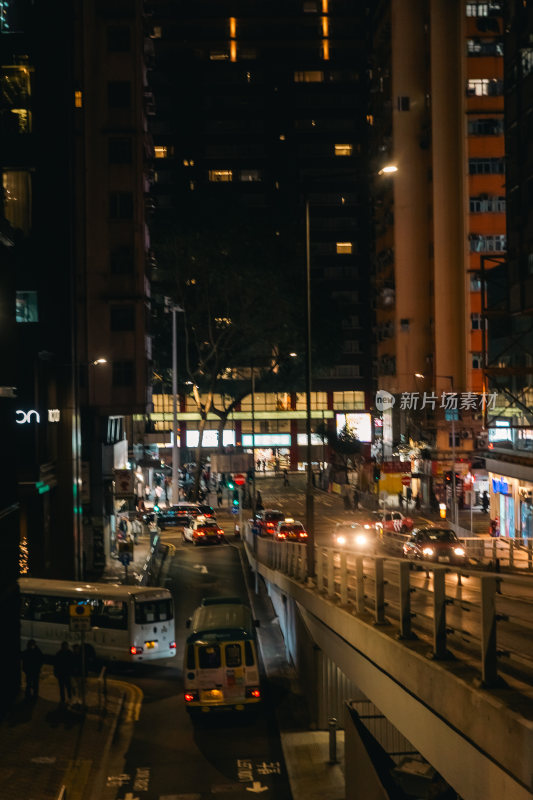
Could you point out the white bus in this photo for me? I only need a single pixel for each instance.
(221, 670)
(128, 623)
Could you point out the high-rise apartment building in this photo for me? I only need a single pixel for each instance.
(262, 106)
(74, 161)
(437, 88)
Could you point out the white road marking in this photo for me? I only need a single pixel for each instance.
(142, 779)
(43, 760)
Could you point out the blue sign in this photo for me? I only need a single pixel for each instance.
(451, 414)
(234, 510)
(499, 486)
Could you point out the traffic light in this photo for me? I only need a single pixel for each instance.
(231, 483)
(156, 508)
(236, 498)
(377, 473)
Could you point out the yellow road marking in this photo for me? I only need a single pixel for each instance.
(134, 699)
(76, 778)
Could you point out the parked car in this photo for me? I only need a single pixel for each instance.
(267, 520)
(200, 530)
(290, 530)
(355, 536)
(177, 515)
(393, 521)
(435, 544)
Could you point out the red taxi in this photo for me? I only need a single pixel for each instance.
(393, 522)
(266, 521)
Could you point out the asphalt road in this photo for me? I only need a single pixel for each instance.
(167, 756)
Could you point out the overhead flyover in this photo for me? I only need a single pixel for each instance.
(446, 655)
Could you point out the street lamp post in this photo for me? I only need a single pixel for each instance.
(175, 449)
(309, 496)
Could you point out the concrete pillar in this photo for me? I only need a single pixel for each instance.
(449, 186)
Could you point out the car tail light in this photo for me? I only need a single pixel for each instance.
(281, 536)
(270, 524)
(172, 645)
(219, 530)
(190, 696)
(199, 533)
(253, 691)
(135, 651)
(303, 535)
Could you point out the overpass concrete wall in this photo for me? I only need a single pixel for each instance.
(478, 744)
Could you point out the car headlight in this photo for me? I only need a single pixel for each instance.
(341, 539)
(368, 526)
(459, 551)
(428, 551)
(360, 540)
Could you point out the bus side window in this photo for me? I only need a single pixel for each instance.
(191, 661)
(110, 614)
(233, 655)
(248, 654)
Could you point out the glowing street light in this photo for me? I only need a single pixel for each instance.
(99, 361)
(388, 169)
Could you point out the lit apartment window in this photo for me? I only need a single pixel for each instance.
(17, 198)
(26, 307)
(344, 247)
(157, 32)
(483, 9)
(160, 151)
(343, 149)
(250, 175)
(15, 91)
(491, 205)
(309, 76)
(488, 244)
(219, 55)
(484, 87)
(220, 175)
(484, 47)
(78, 99)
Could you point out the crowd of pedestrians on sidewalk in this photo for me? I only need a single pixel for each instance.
(69, 671)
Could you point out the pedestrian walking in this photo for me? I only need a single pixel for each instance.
(355, 499)
(485, 502)
(400, 499)
(258, 464)
(32, 661)
(417, 502)
(63, 666)
(285, 478)
(259, 502)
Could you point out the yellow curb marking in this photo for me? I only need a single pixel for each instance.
(76, 778)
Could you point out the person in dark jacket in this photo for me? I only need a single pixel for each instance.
(259, 502)
(32, 661)
(63, 669)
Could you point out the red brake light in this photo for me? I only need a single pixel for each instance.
(256, 693)
(270, 524)
(199, 533)
(189, 697)
(172, 645)
(303, 535)
(135, 651)
(219, 530)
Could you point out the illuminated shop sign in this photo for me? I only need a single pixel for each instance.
(24, 417)
(358, 423)
(500, 486)
(266, 440)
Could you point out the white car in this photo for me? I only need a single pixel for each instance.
(355, 536)
(202, 530)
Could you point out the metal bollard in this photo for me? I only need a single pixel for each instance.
(332, 728)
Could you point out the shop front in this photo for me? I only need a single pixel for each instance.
(503, 499)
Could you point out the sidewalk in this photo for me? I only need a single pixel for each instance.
(115, 571)
(46, 746)
(306, 752)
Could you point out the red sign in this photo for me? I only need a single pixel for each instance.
(396, 466)
(240, 480)
(406, 480)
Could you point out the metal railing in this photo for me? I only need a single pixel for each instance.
(485, 618)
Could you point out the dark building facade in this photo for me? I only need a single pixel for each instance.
(74, 245)
(261, 107)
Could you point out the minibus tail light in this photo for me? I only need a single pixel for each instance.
(190, 696)
(172, 645)
(135, 651)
